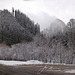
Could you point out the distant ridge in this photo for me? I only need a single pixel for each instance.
(56, 26)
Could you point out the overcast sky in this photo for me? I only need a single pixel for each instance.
(62, 9)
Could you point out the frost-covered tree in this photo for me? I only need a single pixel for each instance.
(25, 22)
(10, 30)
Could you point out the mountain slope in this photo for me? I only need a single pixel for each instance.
(42, 18)
(56, 26)
(10, 30)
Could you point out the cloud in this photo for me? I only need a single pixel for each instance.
(27, 0)
(63, 9)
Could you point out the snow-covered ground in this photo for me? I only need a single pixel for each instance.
(70, 71)
(12, 63)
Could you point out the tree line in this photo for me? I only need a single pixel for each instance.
(16, 27)
(63, 43)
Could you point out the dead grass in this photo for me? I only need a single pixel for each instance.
(39, 69)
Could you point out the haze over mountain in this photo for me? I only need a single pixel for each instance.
(56, 26)
(42, 18)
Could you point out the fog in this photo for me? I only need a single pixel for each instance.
(62, 9)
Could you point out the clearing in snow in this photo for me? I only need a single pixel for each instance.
(35, 67)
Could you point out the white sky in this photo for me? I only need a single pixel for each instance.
(62, 9)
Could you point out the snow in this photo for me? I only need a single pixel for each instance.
(70, 71)
(13, 63)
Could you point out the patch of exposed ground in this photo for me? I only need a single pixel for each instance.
(38, 69)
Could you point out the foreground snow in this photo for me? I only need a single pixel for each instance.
(12, 63)
(70, 71)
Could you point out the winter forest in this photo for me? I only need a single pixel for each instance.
(21, 39)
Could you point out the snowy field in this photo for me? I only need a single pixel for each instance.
(41, 67)
(70, 71)
(13, 63)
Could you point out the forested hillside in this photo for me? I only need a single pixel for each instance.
(62, 44)
(21, 39)
(16, 28)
